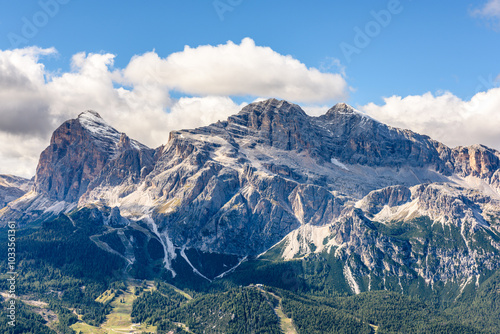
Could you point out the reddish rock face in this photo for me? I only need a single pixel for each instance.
(78, 152)
(476, 160)
(70, 162)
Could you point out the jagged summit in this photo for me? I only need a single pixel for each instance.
(103, 134)
(106, 137)
(343, 134)
(89, 113)
(273, 106)
(343, 109)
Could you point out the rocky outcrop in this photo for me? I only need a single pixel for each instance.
(477, 161)
(375, 201)
(79, 150)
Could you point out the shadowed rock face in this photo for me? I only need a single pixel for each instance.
(357, 138)
(71, 161)
(391, 196)
(342, 133)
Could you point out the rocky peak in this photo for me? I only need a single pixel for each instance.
(355, 138)
(105, 137)
(277, 123)
(261, 113)
(79, 150)
(273, 105)
(90, 115)
(343, 134)
(342, 113)
(341, 108)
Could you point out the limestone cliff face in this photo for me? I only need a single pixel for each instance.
(399, 238)
(376, 200)
(477, 161)
(79, 150)
(71, 161)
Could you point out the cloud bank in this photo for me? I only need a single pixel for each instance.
(137, 99)
(445, 117)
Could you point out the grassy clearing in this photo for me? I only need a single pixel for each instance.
(119, 320)
(286, 323)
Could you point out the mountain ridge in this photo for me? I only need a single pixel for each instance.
(271, 176)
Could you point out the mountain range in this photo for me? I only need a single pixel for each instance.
(362, 206)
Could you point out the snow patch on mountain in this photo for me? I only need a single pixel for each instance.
(339, 164)
(105, 135)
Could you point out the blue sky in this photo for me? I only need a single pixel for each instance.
(426, 61)
(428, 46)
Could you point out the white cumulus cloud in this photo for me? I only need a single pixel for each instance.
(137, 99)
(445, 117)
(237, 69)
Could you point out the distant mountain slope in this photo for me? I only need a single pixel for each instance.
(12, 187)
